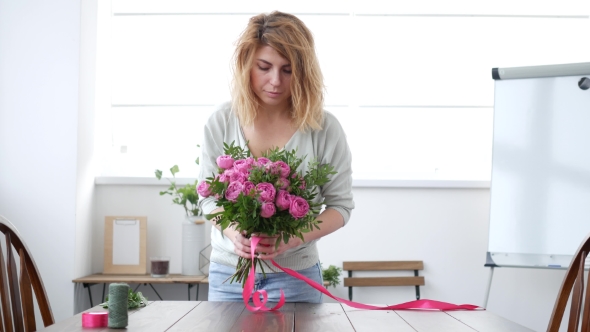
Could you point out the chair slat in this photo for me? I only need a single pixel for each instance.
(576, 304)
(4, 296)
(573, 286)
(383, 266)
(40, 294)
(383, 281)
(16, 292)
(17, 313)
(586, 312)
(26, 292)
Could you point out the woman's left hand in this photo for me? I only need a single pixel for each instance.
(266, 247)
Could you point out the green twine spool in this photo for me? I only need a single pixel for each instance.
(118, 298)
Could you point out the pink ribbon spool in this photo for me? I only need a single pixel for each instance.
(95, 319)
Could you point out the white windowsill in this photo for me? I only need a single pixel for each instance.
(356, 183)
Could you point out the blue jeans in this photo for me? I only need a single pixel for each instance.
(295, 290)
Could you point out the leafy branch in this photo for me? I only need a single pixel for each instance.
(186, 196)
(134, 300)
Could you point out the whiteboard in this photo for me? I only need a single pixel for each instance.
(540, 185)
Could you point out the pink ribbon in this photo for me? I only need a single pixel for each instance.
(249, 286)
(261, 305)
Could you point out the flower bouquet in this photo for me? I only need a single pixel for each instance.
(265, 195)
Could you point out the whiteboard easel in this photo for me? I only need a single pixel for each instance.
(540, 168)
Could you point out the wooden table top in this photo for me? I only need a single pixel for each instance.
(141, 279)
(305, 317)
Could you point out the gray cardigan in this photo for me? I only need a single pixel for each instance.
(327, 145)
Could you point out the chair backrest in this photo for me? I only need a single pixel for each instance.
(574, 278)
(415, 266)
(16, 287)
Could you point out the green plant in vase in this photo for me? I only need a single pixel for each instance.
(192, 227)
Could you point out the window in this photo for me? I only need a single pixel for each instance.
(410, 82)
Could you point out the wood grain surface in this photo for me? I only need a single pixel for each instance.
(304, 317)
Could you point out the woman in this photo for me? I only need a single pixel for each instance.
(277, 100)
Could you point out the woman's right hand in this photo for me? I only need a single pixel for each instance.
(241, 243)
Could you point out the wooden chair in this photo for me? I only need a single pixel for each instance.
(574, 278)
(351, 281)
(16, 287)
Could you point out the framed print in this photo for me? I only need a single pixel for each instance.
(125, 245)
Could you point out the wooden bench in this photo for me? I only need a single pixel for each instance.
(351, 281)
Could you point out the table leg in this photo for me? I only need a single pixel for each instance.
(485, 301)
(189, 291)
(87, 286)
(156, 292)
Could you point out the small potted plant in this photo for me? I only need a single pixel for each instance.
(193, 229)
(331, 275)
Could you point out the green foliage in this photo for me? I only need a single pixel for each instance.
(186, 196)
(237, 152)
(135, 300)
(331, 275)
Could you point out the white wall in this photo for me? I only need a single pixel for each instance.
(86, 156)
(446, 228)
(45, 131)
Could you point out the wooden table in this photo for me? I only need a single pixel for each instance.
(139, 279)
(305, 317)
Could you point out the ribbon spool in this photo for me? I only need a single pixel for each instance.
(95, 319)
(118, 299)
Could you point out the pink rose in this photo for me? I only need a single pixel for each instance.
(225, 161)
(267, 192)
(226, 175)
(272, 168)
(203, 189)
(299, 207)
(282, 183)
(267, 210)
(283, 200)
(302, 186)
(262, 161)
(248, 187)
(233, 191)
(251, 161)
(237, 177)
(242, 166)
(282, 168)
